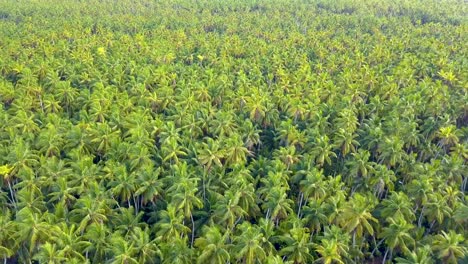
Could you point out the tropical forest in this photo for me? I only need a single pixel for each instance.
(233, 131)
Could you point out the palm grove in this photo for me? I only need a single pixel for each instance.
(233, 131)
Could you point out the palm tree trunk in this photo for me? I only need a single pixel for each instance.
(376, 246)
(464, 185)
(204, 185)
(354, 238)
(432, 225)
(193, 230)
(42, 104)
(300, 205)
(420, 216)
(136, 205)
(13, 198)
(385, 256)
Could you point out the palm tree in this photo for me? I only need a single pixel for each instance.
(329, 252)
(170, 224)
(345, 141)
(223, 124)
(247, 245)
(61, 192)
(122, 251)
(148, 184)
(257, 108)
(250, 134)
(420, 189)
(122, 184)
(183, 193)
(397, 236)
(247, 197)
(422, 255)
(398, 205)
(338, 236)
(311, 187)
(287, 155)
(176, 251)
(289, 135)
(437, 209)
(234, 151)
(48, 253)
(212, 246)
(126, 220)
(50, 141)
(227, 210)
(314, 216)
(89, 210)
(322, 151)
(146, 247)
(171, 151)
(450, 246)
(210, 154)
(97, 234)
(297, 248)
(71, 242)
(448, 136)
(277, 204)
(391, 151)
(356, 218)
(66, 94)
(7, 235)
(382, 179)
(34, 229)
(104, 136)
(359, 165)
(267, 228)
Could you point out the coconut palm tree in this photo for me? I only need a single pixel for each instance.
(247, 245)
(449, 246)
(212, 246)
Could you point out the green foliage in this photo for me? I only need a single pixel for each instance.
(253, 131)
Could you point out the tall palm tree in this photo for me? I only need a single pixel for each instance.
(148, 184)
(7, 235)
(122, 251)
(170, 224)
(97, 234)
(298, 246)
(329, 252)
(397, 236)
(398, 205)
(48, 253)
(210, 154)
(88, 210)
(146, 247)
(247, 245)
(177, 251)
(212, 245)
(34, 229)
(277, 205)
(234, 151)
(421, 255)
(311, 187)
(227, 210)
(71, 243)
(183, 193)
(449, 246)
(323, 151)
(121, 183)
(356, 216)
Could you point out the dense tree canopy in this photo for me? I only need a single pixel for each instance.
(253, 131)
